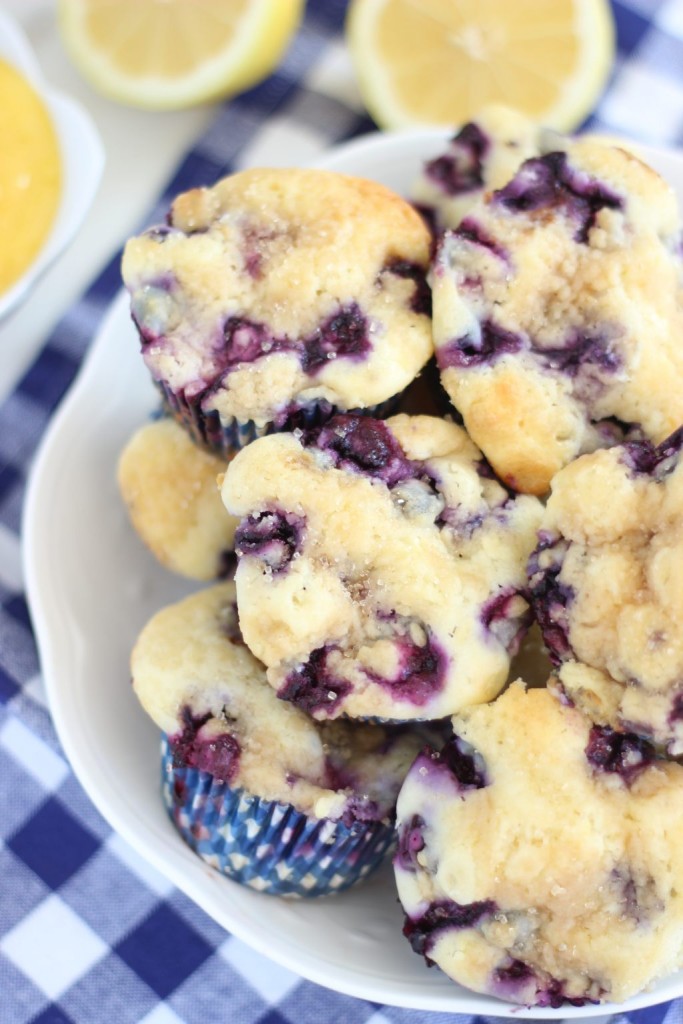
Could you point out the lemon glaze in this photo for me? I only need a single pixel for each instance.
(30, 174)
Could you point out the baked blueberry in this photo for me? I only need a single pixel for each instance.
(279, 295)
(556, 881)
(404, 597)
(556, 306)
(606, 589)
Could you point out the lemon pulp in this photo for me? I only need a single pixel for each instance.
(441, 61)
(167, 54)
(30, 174)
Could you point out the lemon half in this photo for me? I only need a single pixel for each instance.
(166, 54)
(438, 62)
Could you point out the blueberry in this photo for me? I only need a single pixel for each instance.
(421, 301)
(619, 753)
(461, 763)
(363, 444)
(638, 895)
(344, 334)
(676, 713)
(536, 184)
(442, 915)
(550, 597)
(472, 231)
(550, 181)
(245, 341)
(501, 617)
(312, 687)
(580, 351)
(420, 674)
(272, 535)
(641, 456)
(516, 971)
(218, 754)
(513, 981)
(461, 169)
(410, 842)
(465, 763)
(555, 994)
(484, 347)
(360, 809)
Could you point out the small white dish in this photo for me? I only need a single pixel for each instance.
(82, 157)
(92, 586)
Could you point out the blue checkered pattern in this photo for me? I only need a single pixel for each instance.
(89, 933)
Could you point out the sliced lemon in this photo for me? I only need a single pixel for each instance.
(437, 62)
(165, 54)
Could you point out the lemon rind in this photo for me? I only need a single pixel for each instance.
(255, 51)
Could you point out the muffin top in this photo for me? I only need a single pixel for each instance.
(539, 855)
(483, 155)
(170, 489)
(200, 684)
(607, 590)
(279, 288)
(557, 311)
(380, 566)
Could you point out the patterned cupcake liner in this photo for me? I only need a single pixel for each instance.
(225, 437)
(269, 846)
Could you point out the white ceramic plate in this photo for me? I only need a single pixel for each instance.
(82, 160)
(92, 586)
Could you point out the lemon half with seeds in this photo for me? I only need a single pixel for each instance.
(167, 54)
(438, 62)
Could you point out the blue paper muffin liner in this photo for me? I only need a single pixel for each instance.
(225, 437)
(264, 844)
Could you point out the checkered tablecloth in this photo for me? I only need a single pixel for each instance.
(88, 932)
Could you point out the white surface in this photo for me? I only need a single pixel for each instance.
(47, 768)
(53, 966)
(81, 153)
(141, 151)
(92, 586)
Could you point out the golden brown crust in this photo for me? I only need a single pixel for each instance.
(586, 292)
(285, 250)
(170, 488)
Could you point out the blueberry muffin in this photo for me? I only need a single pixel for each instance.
(483, 155)
(607, 591)
(170, 489)
(278, 295)
(557, 312)
(259, 790)
(539, 855)
(381, 566)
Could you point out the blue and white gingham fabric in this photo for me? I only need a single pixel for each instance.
(88, 932)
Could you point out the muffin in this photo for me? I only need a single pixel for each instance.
(257, 789)
(539, 856)
(171, 493)
(557, 312)
(278, 296)
(606, 589)
(483, 155)
(381, 566)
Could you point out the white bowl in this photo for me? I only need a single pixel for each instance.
(92, 586)
(82, 157)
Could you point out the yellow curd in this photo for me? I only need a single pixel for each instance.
(30, 174)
